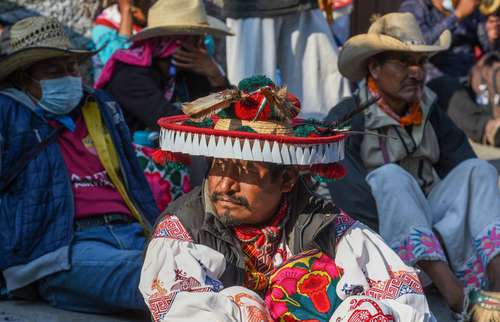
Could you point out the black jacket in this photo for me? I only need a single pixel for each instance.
(237, 9)
(310, 226)
(353, 194)
(140, 92)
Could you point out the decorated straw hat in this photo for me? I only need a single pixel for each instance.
(392, 32)
(35, 39)
(254, 122)
(180, 17)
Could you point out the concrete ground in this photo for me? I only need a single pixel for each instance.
(37, 312)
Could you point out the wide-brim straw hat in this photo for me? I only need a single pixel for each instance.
(180, 17)
(35, 39)
(392, 32)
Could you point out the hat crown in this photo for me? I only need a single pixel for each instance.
(177, 12)
(401, 26)
(38, 32)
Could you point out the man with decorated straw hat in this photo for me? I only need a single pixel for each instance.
(416, 177)
(74, 202)
(253, 243)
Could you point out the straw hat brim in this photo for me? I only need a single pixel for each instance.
(28, 56)
(489, 9)
(214, 27)
(353, 57)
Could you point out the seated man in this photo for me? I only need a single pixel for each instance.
(74, 202)
(254, 231)
(438, 206)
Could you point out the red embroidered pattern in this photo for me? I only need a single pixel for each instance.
(400, 283)
(171, 227)
(161, 301)
(364, 314)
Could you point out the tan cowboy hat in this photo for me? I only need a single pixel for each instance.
(488, 7)
(35, 39)
(180, 17)
(392, 32)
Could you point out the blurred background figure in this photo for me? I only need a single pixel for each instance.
(114, 26)
(167, 64)
(467, 25)
(289, 36)
(475, 34)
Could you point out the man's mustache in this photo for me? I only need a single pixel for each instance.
(217, 196)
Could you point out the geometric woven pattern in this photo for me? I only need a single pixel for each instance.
(400, 283)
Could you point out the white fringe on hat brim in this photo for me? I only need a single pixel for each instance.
(250, 149)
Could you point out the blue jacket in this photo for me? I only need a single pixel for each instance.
(37, 211)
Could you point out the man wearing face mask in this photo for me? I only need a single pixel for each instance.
(466, 24)
(75, 205)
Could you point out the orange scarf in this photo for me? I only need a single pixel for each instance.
(414, 117)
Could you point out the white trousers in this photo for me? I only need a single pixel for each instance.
(464, 210)
(301, 46)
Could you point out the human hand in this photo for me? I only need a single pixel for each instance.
(195, 58)
(493, 28)
(465, 8)
(124, 6)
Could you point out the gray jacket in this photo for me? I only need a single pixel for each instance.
(429, 152)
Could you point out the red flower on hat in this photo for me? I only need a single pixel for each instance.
(247, 109)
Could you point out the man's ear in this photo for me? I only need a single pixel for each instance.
(373, 68)
(289, 177)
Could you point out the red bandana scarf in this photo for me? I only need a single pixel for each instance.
(260, 246)
(414, 116)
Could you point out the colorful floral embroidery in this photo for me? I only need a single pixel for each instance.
(488, 245)
(419, 245)
(167, 182)
(342, 223)
(473, 273)
(304, 289)
(171, 227)
(399, 284)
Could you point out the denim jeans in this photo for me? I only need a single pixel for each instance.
(105, 269)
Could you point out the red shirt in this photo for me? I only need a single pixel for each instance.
(93, 191)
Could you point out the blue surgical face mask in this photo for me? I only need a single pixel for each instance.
(448, 5)
(61, 95)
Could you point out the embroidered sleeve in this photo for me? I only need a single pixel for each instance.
(180, 281)
(376, 281)
(171, 227)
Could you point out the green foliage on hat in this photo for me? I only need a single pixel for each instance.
(305, 130)
(253, 83)
(247, 129)
(205, 123)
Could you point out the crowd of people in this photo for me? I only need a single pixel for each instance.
(318, 177)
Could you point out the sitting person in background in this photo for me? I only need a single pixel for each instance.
(75, 206)
(167, 64)
(416, 178)
(467, 26)
(253, 243)
(114, 27)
